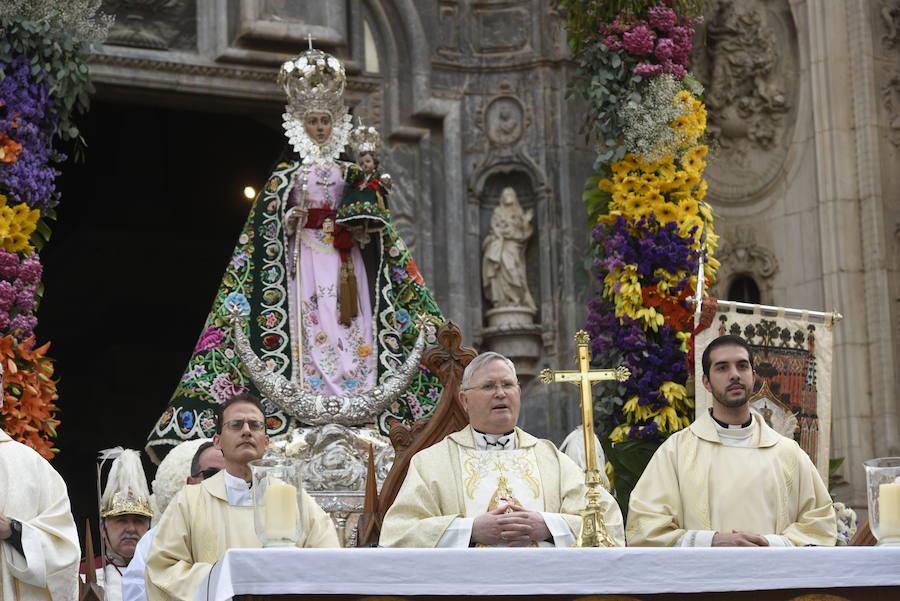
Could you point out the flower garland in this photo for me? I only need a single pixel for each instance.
(647, 203)
(43, 82)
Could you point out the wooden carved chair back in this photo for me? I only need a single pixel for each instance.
(448, 360)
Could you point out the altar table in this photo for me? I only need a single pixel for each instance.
(864, 573)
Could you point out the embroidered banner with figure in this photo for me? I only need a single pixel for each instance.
(792, 358)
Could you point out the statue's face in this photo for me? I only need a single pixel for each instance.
(367, 162)
(318, 126)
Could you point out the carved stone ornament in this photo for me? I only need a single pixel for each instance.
(321, 409)
(750, 64)
(505, 121)
(890, 18)
(741, 253)
(890, 94)
(155, 24)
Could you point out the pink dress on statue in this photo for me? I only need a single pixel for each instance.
(336, 359)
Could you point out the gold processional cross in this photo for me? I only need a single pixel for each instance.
(593, 530)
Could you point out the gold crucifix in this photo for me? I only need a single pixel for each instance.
(593, 530)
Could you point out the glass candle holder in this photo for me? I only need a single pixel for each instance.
(883, 487)
(276, 499)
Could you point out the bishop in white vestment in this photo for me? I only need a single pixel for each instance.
(39, 559)
(491, 483)
(729, 479)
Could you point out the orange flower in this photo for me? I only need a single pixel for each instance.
(413, 270)
(364, 350)
(29, 412)
(9, 149)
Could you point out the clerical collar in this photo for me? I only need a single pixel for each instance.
(237, 490)
(495, 442)
(727, 426)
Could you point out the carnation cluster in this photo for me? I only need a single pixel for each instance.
(659, 38)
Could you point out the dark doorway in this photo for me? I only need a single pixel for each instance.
(145, 228)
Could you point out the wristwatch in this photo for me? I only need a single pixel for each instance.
(16, 527)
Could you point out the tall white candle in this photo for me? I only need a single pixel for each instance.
(281, 511)
(889, 510)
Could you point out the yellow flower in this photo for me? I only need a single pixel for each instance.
(605, 185)
(666, 212)
(705, 209)
(700, 194)
(688, 206)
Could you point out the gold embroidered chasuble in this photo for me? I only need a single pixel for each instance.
(199, 526)
(452, 479)
(694, 482)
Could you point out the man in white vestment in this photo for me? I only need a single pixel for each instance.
(491, 483)
(204, 521)
(124, 517)
(39, 549)
(202, 461)
(729, 479)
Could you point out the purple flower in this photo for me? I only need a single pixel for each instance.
(22, 325)
(25, 301)
(638, 41)
(661, 18)
(31, 270)
(9, 265)
(7, 295)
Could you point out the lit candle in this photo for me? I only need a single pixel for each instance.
(889, 510)
(281, 511)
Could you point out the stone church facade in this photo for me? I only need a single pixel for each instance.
(470, 99)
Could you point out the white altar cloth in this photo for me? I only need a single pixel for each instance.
(634, 570)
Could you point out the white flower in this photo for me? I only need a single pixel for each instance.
(287, 67)
(301, 62)
(334, 64)
(308, 70)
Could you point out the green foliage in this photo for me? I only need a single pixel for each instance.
(57, 53)
(629, 458)
(606, 81)
(595, 200)
(585, 17)
(835, 479)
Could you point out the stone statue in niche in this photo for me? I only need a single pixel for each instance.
(746, 95)
(503, 272)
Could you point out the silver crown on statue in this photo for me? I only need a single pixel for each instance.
(364, 138)
(314, 82)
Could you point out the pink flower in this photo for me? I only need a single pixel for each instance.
(639, 40)
(648, 70)
(682, 38)
(209, 339)
(223, 388)
(612, 42)
(664, 49)
(25, 300)
(661, 18)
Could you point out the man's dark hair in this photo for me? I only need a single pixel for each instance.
(727, 340)
(241, 397)
(195, 462)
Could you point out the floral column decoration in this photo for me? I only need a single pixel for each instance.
(43, 82)
(651, 222)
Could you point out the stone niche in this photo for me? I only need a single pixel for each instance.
(511, 320)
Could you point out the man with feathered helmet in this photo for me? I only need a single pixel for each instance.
(124, 516)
